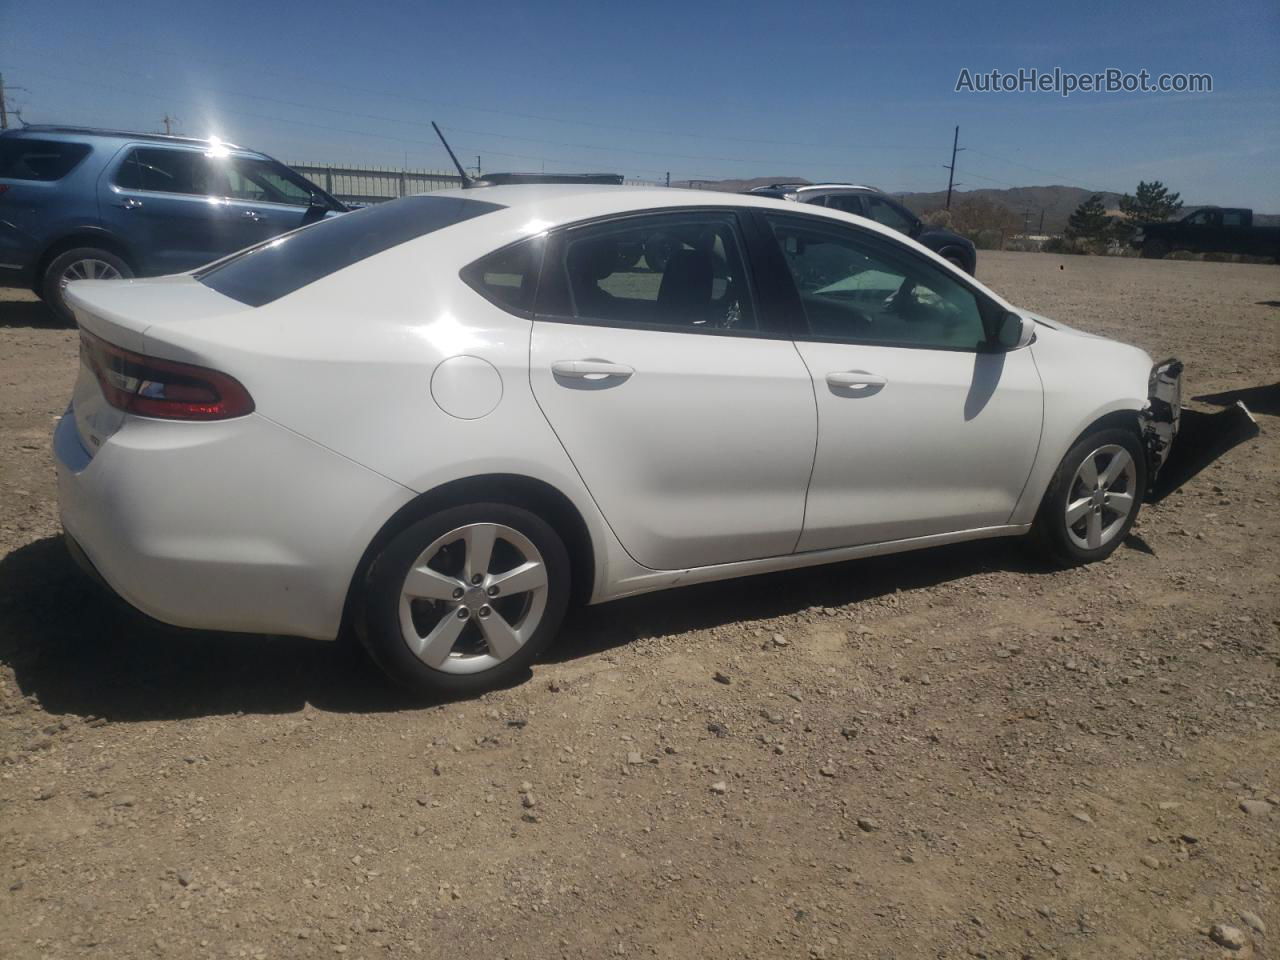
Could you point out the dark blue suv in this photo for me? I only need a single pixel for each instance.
(78, 203)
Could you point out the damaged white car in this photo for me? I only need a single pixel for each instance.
(440, 419)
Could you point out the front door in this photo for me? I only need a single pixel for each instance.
(923, 428)
(691, 423)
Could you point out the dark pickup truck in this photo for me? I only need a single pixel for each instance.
(1209, 230)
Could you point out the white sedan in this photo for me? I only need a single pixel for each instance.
(439, 420)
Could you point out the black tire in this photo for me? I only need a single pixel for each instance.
(1154, 249)
(51, 282)
(956, 262)
(1050, 534)
(377, 616)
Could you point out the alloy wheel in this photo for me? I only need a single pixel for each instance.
(1103, 495)
(473, 598)
(88, 269)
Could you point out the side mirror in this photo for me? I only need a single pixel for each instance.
(1015, 332)
(917, 228)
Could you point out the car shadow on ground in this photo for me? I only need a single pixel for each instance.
(81, 652)
(15, 314)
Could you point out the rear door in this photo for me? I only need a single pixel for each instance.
(170, 204)
(691, 422)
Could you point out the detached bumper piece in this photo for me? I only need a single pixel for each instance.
(1162, 416)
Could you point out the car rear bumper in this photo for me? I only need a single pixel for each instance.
(236, 525)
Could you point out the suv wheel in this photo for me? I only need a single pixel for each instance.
(466, 599)
(80, 263)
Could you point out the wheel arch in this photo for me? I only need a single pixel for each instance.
(512, 489)
(82, 237)
(1124, 417)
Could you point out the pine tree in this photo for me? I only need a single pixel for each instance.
(1153, 204)
(1090, 220)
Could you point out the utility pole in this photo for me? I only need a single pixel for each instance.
(477, 164)
(4, 110)
(951, 177)
(1041, 230)
(668, 178)
(168, 121)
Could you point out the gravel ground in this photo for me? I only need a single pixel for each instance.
(953, 753)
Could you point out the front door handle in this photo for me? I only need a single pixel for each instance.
(855, 378)
(130, 203)
(253, 215)
(591, 370)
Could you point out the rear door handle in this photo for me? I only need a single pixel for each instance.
(591, 369)
(855, 378)
(130, 203)
(253, 215)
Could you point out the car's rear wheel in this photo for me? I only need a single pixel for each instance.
(465, 600)
(80, 263)
(1093, 499)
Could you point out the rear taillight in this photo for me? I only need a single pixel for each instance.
(151, 387)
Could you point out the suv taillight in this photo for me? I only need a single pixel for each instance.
(151, 387)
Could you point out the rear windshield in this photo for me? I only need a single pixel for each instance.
(23, 159)
(269, 271)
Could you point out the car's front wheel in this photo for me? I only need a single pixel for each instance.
(465, 600)
(80, 263)
(1093, 499)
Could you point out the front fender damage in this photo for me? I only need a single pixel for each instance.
(1162, 416)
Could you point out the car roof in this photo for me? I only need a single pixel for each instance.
(45, 130)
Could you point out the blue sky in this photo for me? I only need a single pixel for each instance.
(825, 90)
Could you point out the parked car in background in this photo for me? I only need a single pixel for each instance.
(878, 206)
(1209, 230)
(78, 203)
(441, 418)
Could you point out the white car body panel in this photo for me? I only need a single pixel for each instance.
(259, 523)
(945, 444)
(641, 442)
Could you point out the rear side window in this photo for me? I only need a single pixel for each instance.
(23, 159)
(270, 270)
(678, 271)
(167, 171)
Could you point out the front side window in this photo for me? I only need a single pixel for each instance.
(23, 159)
(682, 271)
(891, 215)
(260, 181)
(859, 288)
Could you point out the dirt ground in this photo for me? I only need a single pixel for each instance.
(947, 754)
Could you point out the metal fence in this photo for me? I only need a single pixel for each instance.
(376, 184)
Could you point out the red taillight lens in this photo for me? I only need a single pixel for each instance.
(151, 387)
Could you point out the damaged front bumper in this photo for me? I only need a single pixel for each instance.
(1162, 415)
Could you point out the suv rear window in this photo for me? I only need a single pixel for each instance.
(23, 159)
(270, 270)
